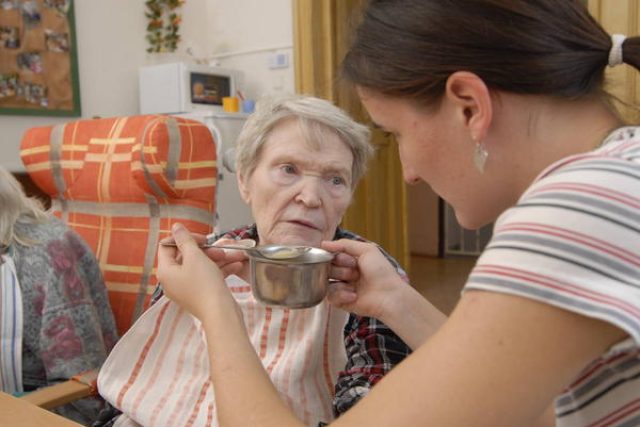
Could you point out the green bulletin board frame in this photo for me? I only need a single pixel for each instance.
(56, 48)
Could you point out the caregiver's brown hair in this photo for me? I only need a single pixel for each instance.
(408, 48)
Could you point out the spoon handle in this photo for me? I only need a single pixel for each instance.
(240, 244)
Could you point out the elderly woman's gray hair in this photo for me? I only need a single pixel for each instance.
(16, 207)
(317, 118)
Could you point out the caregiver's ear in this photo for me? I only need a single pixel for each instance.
(471, 95)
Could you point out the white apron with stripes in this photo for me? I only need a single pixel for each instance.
(158, 373)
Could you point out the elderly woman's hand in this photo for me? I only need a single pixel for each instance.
(365, 282)
(230, 261)
(188, 275)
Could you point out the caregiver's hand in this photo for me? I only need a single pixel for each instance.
(230, 261)
(368, 285)
(188, 276)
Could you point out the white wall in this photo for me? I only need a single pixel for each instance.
(111, 47)
(243, 34)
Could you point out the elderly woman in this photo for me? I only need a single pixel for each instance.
(56, 321)
(298, 162)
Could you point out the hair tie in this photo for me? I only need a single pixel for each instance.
(615, 54)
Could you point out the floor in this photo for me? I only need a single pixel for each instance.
(440, 279)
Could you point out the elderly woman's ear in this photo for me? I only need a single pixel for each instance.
(243, 187)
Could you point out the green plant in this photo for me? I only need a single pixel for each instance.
(163, 25)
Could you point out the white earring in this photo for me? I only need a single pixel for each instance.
(480, 155)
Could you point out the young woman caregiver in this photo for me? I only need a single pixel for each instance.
(499, 106)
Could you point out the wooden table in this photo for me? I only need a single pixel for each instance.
(15, 412)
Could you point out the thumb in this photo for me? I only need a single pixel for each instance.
(351, 247)
(182, 237)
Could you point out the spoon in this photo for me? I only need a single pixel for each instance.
(238, 244)
(274, 252)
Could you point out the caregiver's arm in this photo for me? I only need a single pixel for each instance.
(483, 367)
(373, 288)
(487, 366)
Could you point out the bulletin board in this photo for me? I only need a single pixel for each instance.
(38, 58)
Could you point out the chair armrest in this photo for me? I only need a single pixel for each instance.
(78, 387)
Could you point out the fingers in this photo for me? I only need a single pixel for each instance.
(219, 255)
(224, 241)
(185, 242)
(344, 266)
(345, 260)
(232, 268)
(228, 260)
(351, 247)
(344, 274)
(182, 237)
(341, 294)
(199, 238)
(169, 256)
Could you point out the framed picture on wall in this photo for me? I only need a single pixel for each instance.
(38, 58)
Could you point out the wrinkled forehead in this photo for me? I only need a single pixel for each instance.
(313, 132)
(313, 135)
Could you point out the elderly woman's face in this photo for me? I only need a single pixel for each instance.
(298, 194)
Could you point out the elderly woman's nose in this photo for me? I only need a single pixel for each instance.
(310, 192)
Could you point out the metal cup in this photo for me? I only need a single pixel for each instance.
(294, 283)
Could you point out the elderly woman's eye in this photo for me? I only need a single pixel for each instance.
(338, 180)
(289, 169)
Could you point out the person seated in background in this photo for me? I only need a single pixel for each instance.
(56, 320)
(298, 161)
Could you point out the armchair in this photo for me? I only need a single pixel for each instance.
(121, 183)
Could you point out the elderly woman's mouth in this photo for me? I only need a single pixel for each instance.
(306, 224)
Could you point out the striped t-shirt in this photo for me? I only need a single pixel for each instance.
(573, 241)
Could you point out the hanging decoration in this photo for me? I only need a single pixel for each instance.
(163, 25)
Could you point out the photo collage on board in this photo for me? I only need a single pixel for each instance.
(35, 49)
